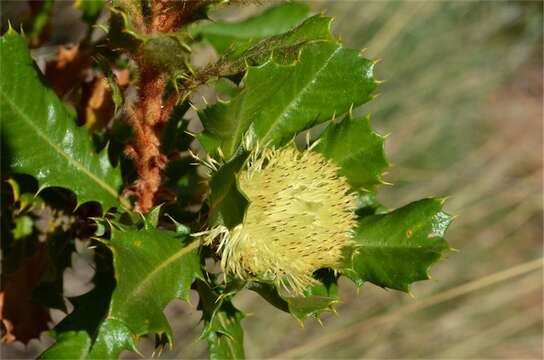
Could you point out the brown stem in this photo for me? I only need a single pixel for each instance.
(169, 15)
(151, 112)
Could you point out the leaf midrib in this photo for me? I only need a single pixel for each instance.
(57, 149)
(154, 273)
(280, 117)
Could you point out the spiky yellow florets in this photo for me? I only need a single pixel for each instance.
(299, 218)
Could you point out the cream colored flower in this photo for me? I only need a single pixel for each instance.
(299, 219)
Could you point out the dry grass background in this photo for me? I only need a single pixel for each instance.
(463, 104)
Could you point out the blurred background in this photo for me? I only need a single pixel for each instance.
(463, 104)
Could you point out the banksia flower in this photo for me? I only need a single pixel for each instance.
(298, 220)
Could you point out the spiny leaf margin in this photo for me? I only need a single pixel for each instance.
(395, 249)
(42, 134)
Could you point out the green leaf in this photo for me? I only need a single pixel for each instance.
(314, 302)
(42, 135)
(227, 204)
(396, 249)
(152, 267)
(368, 204)
(321, 297)
(278, 101)
(284, 48)
(69, 345)
(359, 151)
(222, 328)
(77, 331)
(273, 21)
(90, 9)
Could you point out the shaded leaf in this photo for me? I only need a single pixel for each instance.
(315, 301)
(152, 267)
(278, 101)
(359, 151)
(396, 249)
(284, 48)
(227, 204)
(368, 204)
(222, 328)
(42, 135)
(273, 21)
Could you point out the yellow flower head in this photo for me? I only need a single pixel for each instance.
(298, 220)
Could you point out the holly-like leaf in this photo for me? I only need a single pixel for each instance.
(396, 249)
(222, 328)
(273, 21)
(42, 135)
(359, 151)
(316, 300)
(75, 333)
(278, 101)
(227, 204)
(284, 48)
(152, 267)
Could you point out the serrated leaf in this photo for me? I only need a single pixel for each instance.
(42, 135)
(152, 267)
(227, 204)
(284, 48)
(273, 21)
(396, 249)
(359, 151)
(316, 300)
(278, 101)
(76, 332)
(222, 328)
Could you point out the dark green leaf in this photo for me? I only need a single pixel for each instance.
(284, 48)
(273, 21)
(278, 101)
(315, 301)
(359, 151)
(152, 267)
(227, 204)
(42, 135)
(396, 249)
(70, 345)
(222, 328)
(368, 204)
(77, 331)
